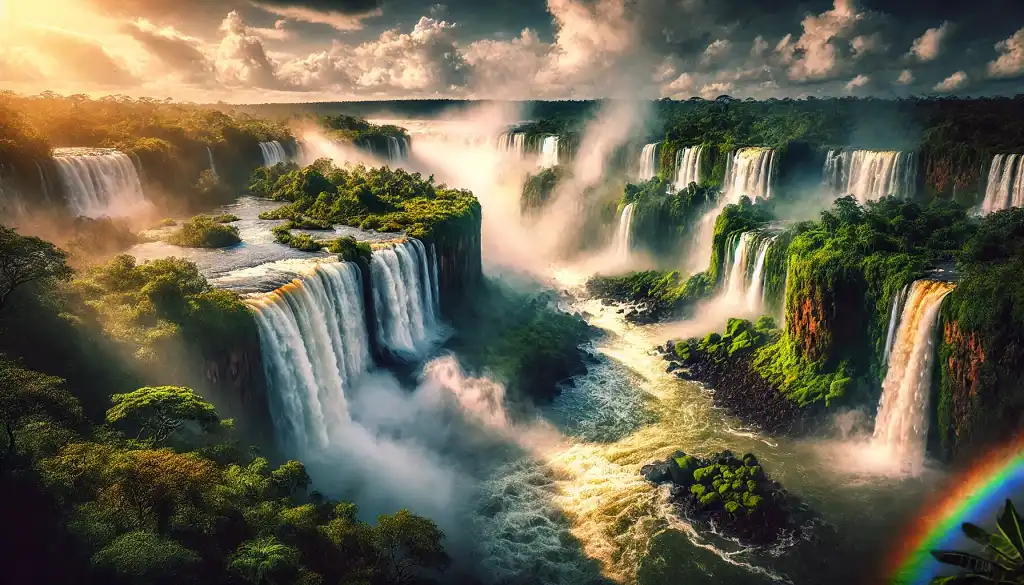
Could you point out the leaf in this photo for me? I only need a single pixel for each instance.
(1009, 525)
(996, 543)
(964, 560)
(966, 579)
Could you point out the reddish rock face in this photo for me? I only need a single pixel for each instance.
(809, 324)
(962, 370)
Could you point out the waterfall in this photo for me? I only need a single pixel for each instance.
(871, 174)
(513, 142)
(213, 167)
(398, 149)
(648, 162)
(99, 182)
(1005, 186)
(749, 172)
(624, 233)
(894, 316)
(44, 184)
(549, 152)
(745, 268)
(404, 297)
(273, 153)
(902, 423)
(314, 345)
(688, 166)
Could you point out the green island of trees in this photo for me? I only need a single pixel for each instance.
(204, 231)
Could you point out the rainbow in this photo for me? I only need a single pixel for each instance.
(976, 495)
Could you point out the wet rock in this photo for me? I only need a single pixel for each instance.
(673, 366)
(656, 472)
(621, 311)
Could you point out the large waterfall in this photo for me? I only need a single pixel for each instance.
(688, 166)
(314, 345)
(624, 233)
(273, 153)
(901, 426)
(513, 142)
(749, 172)
(398, 148)
(746, 255)
(99, 182)
(405, 297)
(1005, 187)
(648, 162)
(549, 152)
(871, 174)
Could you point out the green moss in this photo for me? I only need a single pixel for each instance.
(710, 499)
(732, 507)
(698, 490)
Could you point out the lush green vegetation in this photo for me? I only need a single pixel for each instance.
(204, 231)
(539, 188)
(669, 293)
(361, 132)
(520, 339)
(129, 482)
(664, 220)
(383, 199)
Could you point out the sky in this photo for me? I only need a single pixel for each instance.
(254, 51)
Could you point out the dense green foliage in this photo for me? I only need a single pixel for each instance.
(664, 220)
(157, 489)
(379, 199)
(670, 292)
(521, 339)
(204, 231)
(350, 250)
(146, 306)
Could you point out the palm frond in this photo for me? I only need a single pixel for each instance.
(965, 560)
(1009, 524)
(1005, 555)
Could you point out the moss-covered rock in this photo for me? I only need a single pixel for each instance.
(732, 494)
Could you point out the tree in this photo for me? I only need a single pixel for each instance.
(145, 558)
(26, 259)
(264, 561)
(27, 396)
(1003, 560)
(407, 544)
(290, 478)
(160, 411)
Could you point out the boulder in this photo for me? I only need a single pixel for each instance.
(656, 472)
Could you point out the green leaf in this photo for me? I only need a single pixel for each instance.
(1009, 525)
(966, 579)
(996, 543)
(964, 560)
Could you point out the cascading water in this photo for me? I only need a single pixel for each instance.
(273, 153)
(1005, 186)
(871, 174)
(549, 152)
(513, 142)
(688, 166)
(404, 297)
(213, 167)
(894, 318)
(99, 182)
(314, 344)
(624, 233)
(745, 268)
(648, 162)
(398, 149)
(901, 426)
(747, 173)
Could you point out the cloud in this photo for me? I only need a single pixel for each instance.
(857, 82)
(16, 65)
(508, 68)
(759, 46)
(81, 58)
(953, 82)
(816, 54)
(865, 44)
(426, 60)
(172, 48)
(1010, 62)
(716, 49)
(681, 87)
(928, 46)
(713, 90)
(906, 77)
(338, 19)
(241, 57)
